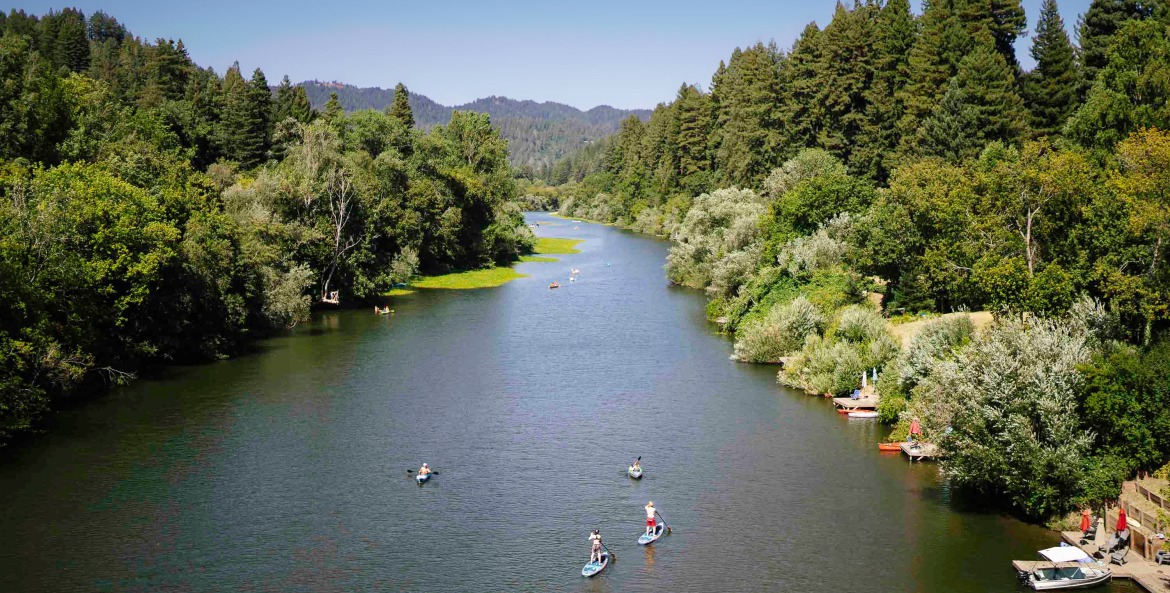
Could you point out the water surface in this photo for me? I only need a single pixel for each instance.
(285, 470)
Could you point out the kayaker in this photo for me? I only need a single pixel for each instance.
(651, 512)
(637, 464)
(424, 470)
(595, 552)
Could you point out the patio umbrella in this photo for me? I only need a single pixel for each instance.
(1085, 521)
(1121, 526)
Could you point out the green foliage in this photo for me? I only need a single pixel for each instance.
(151, 211)
(780, 332)
(1126, 402)
(1011, 429)
(1131, 92)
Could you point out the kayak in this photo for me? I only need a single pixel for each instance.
(593, 568)
(644, 539)
(863, 414)
(634, 472)
(889, 446)
(422, 478)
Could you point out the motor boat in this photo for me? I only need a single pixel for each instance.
(1065, 567)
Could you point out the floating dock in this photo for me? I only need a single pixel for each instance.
(920, 451)
(848, 403)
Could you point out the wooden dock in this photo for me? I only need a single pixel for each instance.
(919, 451)
(1152, 577)
(848, 403)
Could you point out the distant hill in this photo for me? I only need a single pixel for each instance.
(538, 134)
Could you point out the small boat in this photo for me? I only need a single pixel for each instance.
(843, 410)
(575, 271)
(647, 538)
(889, 446)
(863, 414)
(634, 472)
(554, 285)
(422, 478)
(1067, 567)
(593, 568)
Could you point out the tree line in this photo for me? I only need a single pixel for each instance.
(153, 210)
(893, 164)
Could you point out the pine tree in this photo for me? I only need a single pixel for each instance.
(260, 106)
(749, 137)
(843, 79)
(245, 126)
(1050, 89)
(1096, 28)
(694, 128)
(169, 67)
(933, 61)
(801, 114)
(894, 33)
(72, 41)
(1003, 19)
(292, 102)
(983, 90)
(400, 109)
(951, 130)
(333, 110)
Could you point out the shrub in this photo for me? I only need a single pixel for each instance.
(781, 332)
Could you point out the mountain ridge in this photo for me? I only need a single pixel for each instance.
(538, 132)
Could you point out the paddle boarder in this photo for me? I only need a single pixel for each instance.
(595, 553)
(651, 512)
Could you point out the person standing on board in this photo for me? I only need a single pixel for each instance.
(651, 512)
(595, 553)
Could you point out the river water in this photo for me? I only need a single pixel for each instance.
(285, 470)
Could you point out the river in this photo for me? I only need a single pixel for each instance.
(285, 469)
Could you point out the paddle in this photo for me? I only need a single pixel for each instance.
(411, 471)
(668, 529)
(612, 556)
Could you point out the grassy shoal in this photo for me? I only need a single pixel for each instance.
(492, 277)
(470, 279)
(556, 246)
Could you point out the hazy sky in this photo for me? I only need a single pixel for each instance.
(626, 54)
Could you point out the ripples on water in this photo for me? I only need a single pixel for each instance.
(285, 470)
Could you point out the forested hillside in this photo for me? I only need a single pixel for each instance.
(152, 210)
(538, 134)
(891, 164)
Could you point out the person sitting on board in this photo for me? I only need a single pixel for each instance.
(595, 553)
(424, 470)
(637, 466)
(650, 514)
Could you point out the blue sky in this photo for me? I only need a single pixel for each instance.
(626, 54)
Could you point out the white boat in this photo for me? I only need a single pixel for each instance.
(863, 414)
(1068, 567)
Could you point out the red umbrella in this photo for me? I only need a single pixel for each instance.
(1085, 521)
(1121, 519)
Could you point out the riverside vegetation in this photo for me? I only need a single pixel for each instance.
(896, 164)
(155, 211)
